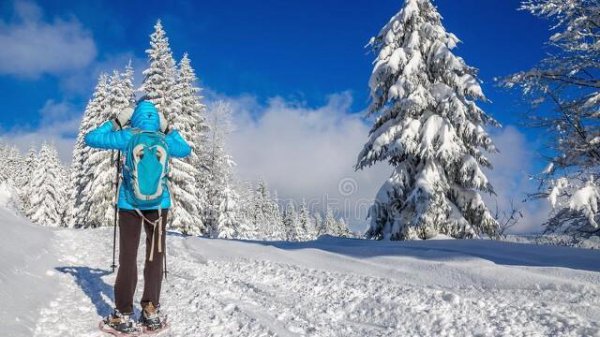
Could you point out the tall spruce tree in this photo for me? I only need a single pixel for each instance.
(188, 182)
(47, 203)
(24, 178)
(82, 170)
(291, 223)
(429, 128)
(217, 164)
(160, 77)
(103, 187)
(228, 224)
(307, 229)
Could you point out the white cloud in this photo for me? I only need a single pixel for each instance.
(32, 47)
(510, 177)
(59, 124)
(306, 153)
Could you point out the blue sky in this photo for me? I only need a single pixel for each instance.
(300, 57)
(301, 50)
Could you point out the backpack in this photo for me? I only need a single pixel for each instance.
(146, 168)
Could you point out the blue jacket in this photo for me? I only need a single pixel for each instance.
(145, 117)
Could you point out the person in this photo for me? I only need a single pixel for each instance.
(118, 134)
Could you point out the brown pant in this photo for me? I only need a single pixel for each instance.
(130, 224)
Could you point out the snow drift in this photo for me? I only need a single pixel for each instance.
(26, 262)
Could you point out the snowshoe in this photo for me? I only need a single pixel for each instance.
(118, 324)
(151, 319)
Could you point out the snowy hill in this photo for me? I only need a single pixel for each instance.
(330, 287)
(25, 257)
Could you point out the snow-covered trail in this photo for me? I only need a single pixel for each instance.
(337, 287)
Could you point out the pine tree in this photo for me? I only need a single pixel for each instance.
(159, 78)
(329, 224)
(429, 127)
(245, 214)
(4, 167)
(266, 215)
(307, 230)
(188, 181)
(291, 223)
(82, 169)
(47, 203)
(24, 178)
(10, 164)
(342, 230)
(102, 192)
(228, 226)
(318, 223)
(217, 164)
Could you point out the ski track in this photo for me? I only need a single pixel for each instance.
(245, 296)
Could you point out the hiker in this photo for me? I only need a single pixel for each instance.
(142, 135)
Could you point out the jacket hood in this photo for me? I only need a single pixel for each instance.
(146, 117)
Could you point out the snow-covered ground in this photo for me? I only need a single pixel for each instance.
(57, 283)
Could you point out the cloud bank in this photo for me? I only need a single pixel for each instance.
(33, 46)
(310, 153)
(306, 153)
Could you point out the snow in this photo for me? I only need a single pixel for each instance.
(58, 283)
(25, 262)
(8, 197)
(585, 200)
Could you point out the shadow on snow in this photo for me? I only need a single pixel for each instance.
(90, 281)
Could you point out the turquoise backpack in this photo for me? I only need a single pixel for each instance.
(146, 168)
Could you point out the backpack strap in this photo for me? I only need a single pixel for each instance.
(155, 223)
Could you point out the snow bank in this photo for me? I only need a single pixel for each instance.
(8, 199)
(26, 265)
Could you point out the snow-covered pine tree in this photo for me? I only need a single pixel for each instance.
(188, 180)
(275, 217)
(429, 127)
(342, 230)
(5, 167)
(102, 192)
(228, 225)
(65, 174)
(47, 186)
(24, 177)
(10, 162)
(127, 79)
(329, 224)
(291, 223)
(245, 213)
(306, 227)
(82, 170)
(564, 93)
(159, 78)
(317, 219)
(217, 165)
(266, 215)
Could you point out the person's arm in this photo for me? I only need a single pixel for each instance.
(105, 137)
(178, 148)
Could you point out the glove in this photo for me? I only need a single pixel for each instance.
(123, 118)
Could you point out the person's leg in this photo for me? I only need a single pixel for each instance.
(129, 240)
(153, 270)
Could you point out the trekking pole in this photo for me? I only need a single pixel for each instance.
(165, 260)
(116, 208)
